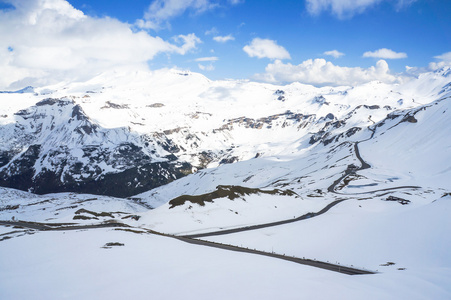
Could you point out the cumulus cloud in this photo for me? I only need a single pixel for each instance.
(444, 60)
(45, 41)
(223, 39)
(211, 58)
(334, 53)
(385, 54)
(320, 72)
(348, 8)
(188, 42)
(266, 48)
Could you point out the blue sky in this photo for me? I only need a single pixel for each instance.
(421, 29)
(280, 36)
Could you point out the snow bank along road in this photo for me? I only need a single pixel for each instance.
(303, 261)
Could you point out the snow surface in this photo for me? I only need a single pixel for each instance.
(370, 228)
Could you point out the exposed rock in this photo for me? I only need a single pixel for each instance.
(109, 104)
(156, 105)
(226, 191)
(397, 199)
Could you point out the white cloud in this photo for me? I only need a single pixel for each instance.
(334, 53)
(445, 60)
(211, 58)
(44, 41)
(445, 56)
(348, 8)
(188, 42)
(385, 54)
(160, 11)
(209, 67)
(212, 31)
(400, 4)
(266, 48)
(223, 39)
(320, 72)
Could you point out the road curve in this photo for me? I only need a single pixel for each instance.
(260, 226)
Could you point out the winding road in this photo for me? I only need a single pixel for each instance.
(265, 225)
(194, 238)
(332, 189)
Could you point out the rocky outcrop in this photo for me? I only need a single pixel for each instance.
(58, 148)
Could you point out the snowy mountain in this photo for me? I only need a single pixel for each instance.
(354, 177)
(124, 134)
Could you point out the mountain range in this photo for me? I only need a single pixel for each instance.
(356, 176)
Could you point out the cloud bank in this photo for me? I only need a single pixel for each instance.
(264, 48)
(46, 41)
(320, 72)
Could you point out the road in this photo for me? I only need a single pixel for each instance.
(303, 261)
(60, 226)
(193, 238)
(260, 226)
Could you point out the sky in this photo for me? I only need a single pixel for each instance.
(318, 42)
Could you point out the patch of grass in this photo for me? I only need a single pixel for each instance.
(226, 191)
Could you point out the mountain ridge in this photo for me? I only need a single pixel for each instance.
(155, 127)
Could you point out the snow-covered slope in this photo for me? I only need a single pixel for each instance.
(353, 175)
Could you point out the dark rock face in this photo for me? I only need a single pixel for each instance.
(54, 146)
(288, 117)
(21, 171)
(70, 175)
(280, 95)
(77, 155)
(123, 184)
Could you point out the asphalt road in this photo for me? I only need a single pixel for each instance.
(303, 261)
(260, 226)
